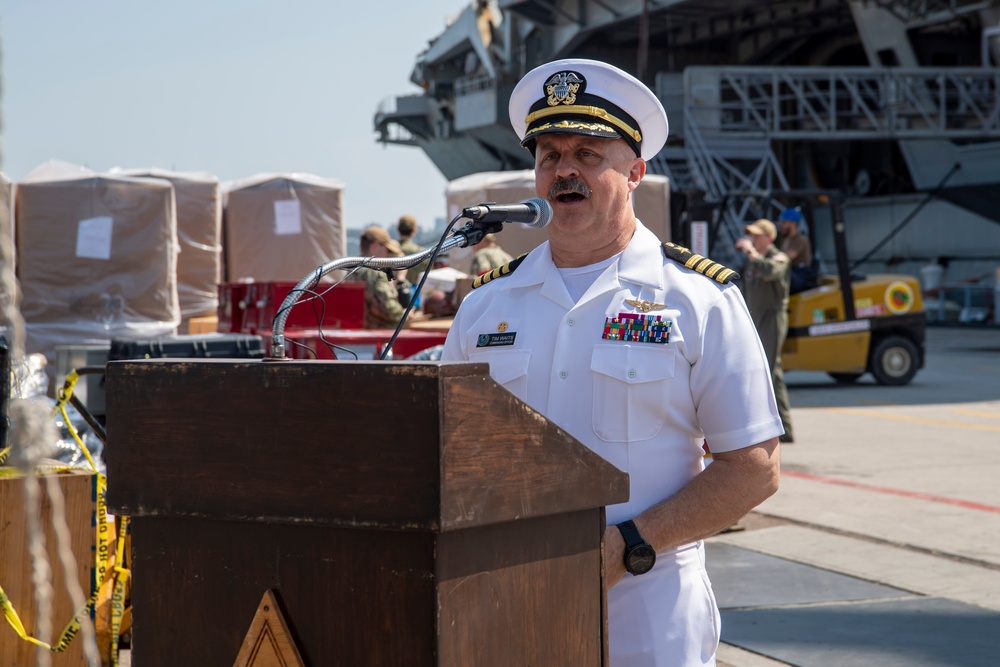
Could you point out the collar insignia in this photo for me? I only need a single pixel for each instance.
(644, 305)
(563, 87)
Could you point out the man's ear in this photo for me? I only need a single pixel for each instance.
(635, 173)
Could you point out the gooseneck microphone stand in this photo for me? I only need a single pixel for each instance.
(470, 235)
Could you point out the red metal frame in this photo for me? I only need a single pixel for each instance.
(366, 343)
(251, 307)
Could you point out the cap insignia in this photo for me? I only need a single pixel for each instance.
(562, 88)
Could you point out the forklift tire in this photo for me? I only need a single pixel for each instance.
(894, 361)
(845, 378)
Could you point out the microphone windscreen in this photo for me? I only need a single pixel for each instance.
(544, 212)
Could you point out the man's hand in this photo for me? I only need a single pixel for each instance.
(614, 556)
(745, 245)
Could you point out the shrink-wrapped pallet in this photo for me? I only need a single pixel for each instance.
(97, 257)
(280, 227)
(651, 201)
(198, 198)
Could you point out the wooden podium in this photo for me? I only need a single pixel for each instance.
(403, 514)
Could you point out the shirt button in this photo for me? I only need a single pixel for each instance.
(631, 372)
(563, 374)
(570, 322)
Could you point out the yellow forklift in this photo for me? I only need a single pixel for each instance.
(850, 324)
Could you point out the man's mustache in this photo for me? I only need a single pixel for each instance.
(567, 185)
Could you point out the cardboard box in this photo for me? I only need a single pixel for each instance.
(97, 257)
(198, 200)
(279, 228)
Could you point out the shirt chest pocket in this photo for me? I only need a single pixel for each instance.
(508, 368)
(631, 390)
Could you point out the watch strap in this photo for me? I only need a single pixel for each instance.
(630, 533)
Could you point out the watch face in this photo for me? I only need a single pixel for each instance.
(640, 559)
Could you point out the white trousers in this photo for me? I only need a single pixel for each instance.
(667, 617)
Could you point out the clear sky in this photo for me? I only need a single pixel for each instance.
(230, 87)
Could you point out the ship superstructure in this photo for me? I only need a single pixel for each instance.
(896, 104)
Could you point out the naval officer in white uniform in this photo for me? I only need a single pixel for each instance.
(638, 349)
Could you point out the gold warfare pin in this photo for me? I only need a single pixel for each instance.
(644, 305)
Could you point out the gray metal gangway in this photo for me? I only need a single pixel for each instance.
(733, 114)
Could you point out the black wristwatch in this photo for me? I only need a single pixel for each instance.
(639, 555)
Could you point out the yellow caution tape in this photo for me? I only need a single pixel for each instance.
(41, 470)
(118, 596)
(62, 398)
(15, 621)
(73, 627)
(65, 638)
(100, 521)
(66, 391)
(76, 437)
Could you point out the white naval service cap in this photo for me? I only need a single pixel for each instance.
(578, 96)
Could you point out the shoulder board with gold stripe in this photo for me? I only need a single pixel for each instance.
(498, 272)
(703, 265)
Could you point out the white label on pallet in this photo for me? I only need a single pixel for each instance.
(93, 237)
(287, 217)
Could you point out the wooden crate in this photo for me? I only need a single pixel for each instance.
(15, 564)
(200, 325)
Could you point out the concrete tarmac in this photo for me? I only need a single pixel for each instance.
(882, 546)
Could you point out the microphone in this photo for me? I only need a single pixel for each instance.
(535, 212)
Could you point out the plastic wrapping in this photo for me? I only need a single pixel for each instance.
(29, 381)
(7, 239)
(97, 257)
(279, 227)
(198, 198)
(651, 201)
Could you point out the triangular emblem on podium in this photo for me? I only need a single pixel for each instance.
(268, 643)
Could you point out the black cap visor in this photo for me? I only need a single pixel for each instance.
(574, 124)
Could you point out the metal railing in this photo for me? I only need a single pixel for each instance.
(476, 83)
(920, 10)
(732, 114)
(844, 103)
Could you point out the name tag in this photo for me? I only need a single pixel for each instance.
(496, 339)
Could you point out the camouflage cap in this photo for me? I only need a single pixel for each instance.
(378, 235)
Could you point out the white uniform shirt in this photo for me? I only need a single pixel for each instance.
(646, 407)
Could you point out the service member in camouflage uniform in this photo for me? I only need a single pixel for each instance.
(407, 227)
(382, 307)
(489, 257)
(766, 279)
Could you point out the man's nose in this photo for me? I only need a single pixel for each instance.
(567, 167)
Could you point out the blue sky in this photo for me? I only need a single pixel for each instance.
(234, 88)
